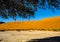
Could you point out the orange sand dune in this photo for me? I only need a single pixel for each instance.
(46, 23)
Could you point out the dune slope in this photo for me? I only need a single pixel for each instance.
(47, 23)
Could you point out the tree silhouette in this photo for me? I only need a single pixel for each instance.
(25, 8)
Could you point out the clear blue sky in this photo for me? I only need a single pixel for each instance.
(39, 14)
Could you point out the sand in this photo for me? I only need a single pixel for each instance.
(52, 23)
(23, 36)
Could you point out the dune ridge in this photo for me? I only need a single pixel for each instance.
(47, 23)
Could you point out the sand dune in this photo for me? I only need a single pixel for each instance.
(47, 23)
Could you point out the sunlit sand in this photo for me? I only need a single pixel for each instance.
(45, 24)
(23, 36)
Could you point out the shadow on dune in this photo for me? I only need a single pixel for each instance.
(2, 22)
(49, 39)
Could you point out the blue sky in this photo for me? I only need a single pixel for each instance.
(39, 14)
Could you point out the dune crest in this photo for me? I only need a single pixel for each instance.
(47, 23)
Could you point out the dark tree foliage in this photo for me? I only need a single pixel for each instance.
(25, 8)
